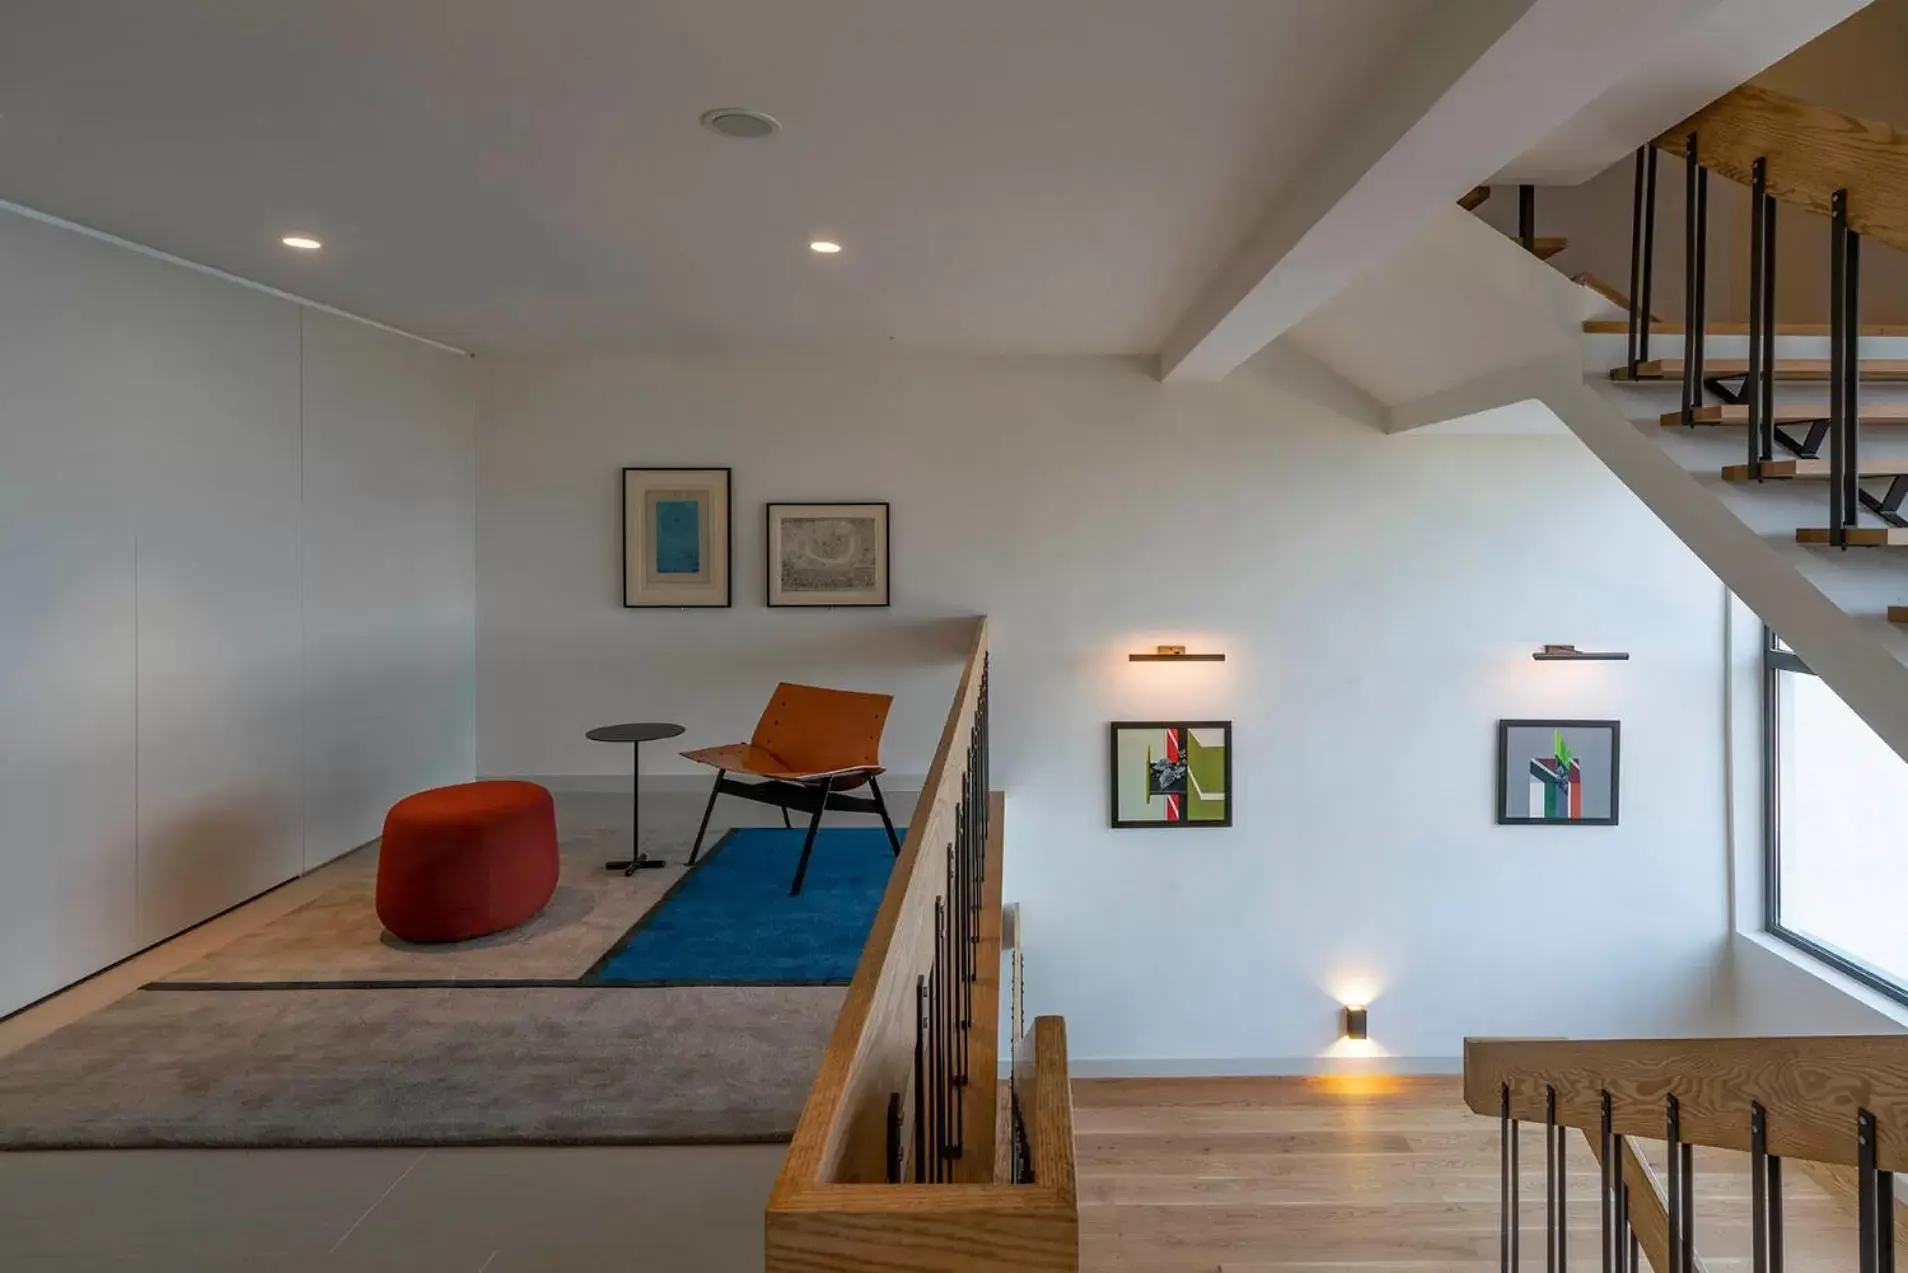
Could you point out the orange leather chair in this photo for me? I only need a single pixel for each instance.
(810, 747)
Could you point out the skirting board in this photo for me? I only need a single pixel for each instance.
(1258, 1067)
(895, 786)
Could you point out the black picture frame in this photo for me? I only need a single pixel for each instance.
(1504, 728)
(1113, 775)
(728, 510)
(769, 564)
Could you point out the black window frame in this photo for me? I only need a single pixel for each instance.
(1775, 662)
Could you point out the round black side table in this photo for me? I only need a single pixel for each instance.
(635, 734)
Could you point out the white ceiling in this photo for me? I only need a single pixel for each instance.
(1030, 176)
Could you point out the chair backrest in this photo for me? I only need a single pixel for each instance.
(816, 730)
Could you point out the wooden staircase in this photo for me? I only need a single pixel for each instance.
(1542, 247)
(1855, 172)
(1873, 370)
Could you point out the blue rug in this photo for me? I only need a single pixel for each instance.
(731, 920)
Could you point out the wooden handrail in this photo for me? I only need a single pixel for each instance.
(832, 1208)
(1811, 1089)
(1812, 152)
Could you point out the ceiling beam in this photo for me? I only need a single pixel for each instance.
(1480, 82)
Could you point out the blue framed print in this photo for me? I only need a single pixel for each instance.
(676, 545)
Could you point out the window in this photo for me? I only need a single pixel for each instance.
(1837, 798)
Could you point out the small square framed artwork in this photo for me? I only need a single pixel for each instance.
(828, 554)
(1172, 774)
(1564, 773)
(676, 547)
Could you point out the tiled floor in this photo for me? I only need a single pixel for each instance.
(660, 1210)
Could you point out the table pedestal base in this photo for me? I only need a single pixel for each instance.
(628, 867)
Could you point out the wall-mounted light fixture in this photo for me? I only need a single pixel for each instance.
(1356, 1021)
(1570, 653)
(1174, 654)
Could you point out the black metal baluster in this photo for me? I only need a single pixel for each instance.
(1851, 329)
(920, 1079)
(1605, 1193)
(1625, 1238)
(1506, 1175)
(1867, 1195)
(937, 1052)
(1775, 1214)
(1674, 1202)
(1550, 1180)
(1695, 249)
(1875, 1193)
(1631, 346)
(1563, 1194)
(1759, 406)
(1839, 515)
(1688, 1152)
(1767, 390)
(1649, 249)
(1758, 1156)
(894, 1138)
(1527, 217)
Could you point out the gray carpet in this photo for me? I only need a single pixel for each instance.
(468, 1066)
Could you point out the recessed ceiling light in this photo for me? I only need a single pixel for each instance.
(303, 242)
(744, 125)
(826, 247)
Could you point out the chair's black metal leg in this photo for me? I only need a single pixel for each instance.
(808, 845)
(786, 824)
(707, 809)
(881, 807)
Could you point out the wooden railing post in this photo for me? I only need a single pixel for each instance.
(908, 1087)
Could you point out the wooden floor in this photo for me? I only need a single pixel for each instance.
(1363, 1176)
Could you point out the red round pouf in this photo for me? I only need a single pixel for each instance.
(459, 862)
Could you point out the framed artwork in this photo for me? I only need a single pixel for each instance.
(1562, 773)
(828, 554)
(676, 548)
(1172, 773)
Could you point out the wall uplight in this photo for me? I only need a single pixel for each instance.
(825, 247)
(1357, 1021)
(301, 242)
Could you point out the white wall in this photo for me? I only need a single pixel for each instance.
(1377, 599)
(222, 518)
(390, 482)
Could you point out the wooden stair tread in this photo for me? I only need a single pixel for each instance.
(1608, 292)
(1811, 469)
(1545, 246)
(1858, 536)
(1898, 614)
(1787, 413)
(1475, 198)
(1621, 326)
(1785, 369)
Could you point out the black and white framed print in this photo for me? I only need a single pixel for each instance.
(676, 547)
(828, 554)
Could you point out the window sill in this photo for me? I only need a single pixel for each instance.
(1832, 978)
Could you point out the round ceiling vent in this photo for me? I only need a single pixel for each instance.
(746, 125)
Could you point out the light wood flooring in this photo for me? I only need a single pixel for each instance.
(1364, 1176)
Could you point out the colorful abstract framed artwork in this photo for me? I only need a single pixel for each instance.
(828, 554)
(676, 547)
(1558, 773)
(1172, 774)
